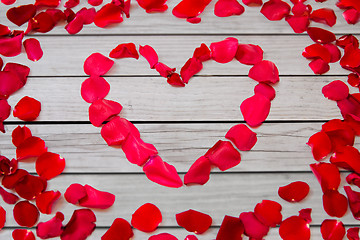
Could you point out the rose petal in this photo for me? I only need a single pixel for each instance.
(31, 147)
(199, 172)
(350, 107)
(74, 193)
(352, 16)
(266, 90)
(191, 67)
(47, 3)
(119, 229)
(319, 66)
(194, 221)
(175, 80)
(94, 88)
(327, 174)
(33, 49)
(75, 25)
(253, 3)
(294, 228)
(202, 53)
(12, 180)
(49, 165)
(336, 90)
(95, 2)
(353, 178)
(242, 137)
(231, 228)
(8, 197)
(51, 228)
(223, 155)
(255, 109)
(137, 151)
(153, 5)
(249, 54)
(163, 236)
(347, 157)
(320, 145)
(268, 212)
(298, 23)
(7, 167)
(320, 35)
(162, 173)
(334, 52)
(346, 40)
(225, 50)
(108, 14)
(351, 58)
(102, 110)
(11, 46)
(2, 217)
(96, 199)
(354, 201)
(335, 204)
(21, 14)
(42, 22)
(80, 226)
(97, 64)
(353, 233)
(227, 8)
(5, 109)
(339, 132)
(124, 50)
(264, 71)
(190, 8)
(87, 14)
(69, 15)
(294, 192)
(56, 14)
(149, 54)
(275, 10)
(191, 237)
(21, 71)
(71, 3)
(19, 134)
(46, 200)
(164, 70)
(317, 50)
(354, 80)
(146, 218)
(116, 131)
(4, 30)
(252, 226)
(30, 187)
(27, 109)
(25, 214)
(23, 234)
(324, 15)
(332, 229)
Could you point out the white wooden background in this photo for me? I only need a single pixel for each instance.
(181, 122)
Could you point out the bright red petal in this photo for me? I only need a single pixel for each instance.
(319, 66)
(94, 88)
(351, 57)
(124, 50)
(163, 236)
(320, 35)
(75, 25)
(5, 110)
(71, 3)
(95, 2)
(27, 109)
(19, 134)
(191, 67)
(2, 217)
(175, 80)
(21, 14)
(266, 90)
(353, 178)
(33, 49)
(102, 110)
(153, 5)
(347, 157)
(116, 131)
(42, 22)
(264, 71)
(352, 16)
(334, 52)
(12, 180)
(164, 70)
(190, 8)
(255, 109)
(346, 40)
(294, 192)
(97, 64)
(202, 53)
(9, 83)
(332, 229)
(335, 204)
(108, 14)
(194, 221)
(340, 133)
(51, 228)
(96, 199)
(320, 144)
(336, 90)
(327, 174)
(146, 218)
(354, 201)
(199, 172)
(21, 71)
(317, 50)
(119, 229)
(11, 46)
(7, 167)
(46, 200)
(298, 23)
(294, 228)
(324, 15)
(30, 187)
(137, 151)
(353, 233)
(223, 155)
(354, 80)
(249, 54)
(23, 234)
(268, 212)
(80, 226)
(225, 50)
(227, 8)
(242, 137)
(31, 147)
(149, 54)
(74, 193)
(253, 227)
(231, 228)
(275, 10)
(350, 107)
(8, 197)
(47, 3)
(87, 14)
(25, 214)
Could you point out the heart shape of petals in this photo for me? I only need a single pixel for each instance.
(194, 221)
(146, 218)
(25, 214)
(80, 226)
(231, 228)
(23, 234)
(120, 229)
(49, 165)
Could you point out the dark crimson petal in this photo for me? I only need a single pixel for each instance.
(249, 54)
(69, 15)
(49, 165)
(320, 145)
(162, 173)
(80, 226)
(275, 10)
(71, 3)
(353, 233)
(191, 67)
(199, 172)
(137, 151)
(202, 53)
(242, 137)
(294, 228)
(153, 5)
(87, 14)
(124, 50)
(95, 2)
(27, 109)
(116, 131)
(225, 50)
(298, 23)
(320, 35)
(223, 155)
(96, 199)
(352, 16)
(146, 218)
(8, 197)
(31, 147)
(42, 22)
(51, 228)
(227, 8)
(47, 3)
(327, 174)
(12, 180)
(266, 90)
(102, 110)
(319, 66)
(268, 212)
(175, 80)
(8, 167)
(164, 70)
(306, 214)
(334, 52)
(30, 187)
(33, 49)
(97, 64)
(335, 204)
(19, 134)
(75, 25)
(74, 193)
(264, 71)
(294, 192)
(163, 236)
(23, 234)
(332, 229)
(351, 58)
(255, 109)
(324, 15)
(25, 214)
(354, 201)
(346, 40)
(21, 14)
(46, 200)
(190, 8)
(231, 228)
(94, 88)
(119, 229)
(252, 226)
(108, 14)
(194, 221)
(347, 157)
(350, 107)
(21, 71)
(11, 46)
(339, 132)
(317, 50)
(353, 178)
(56, 14)
(149, 54)
(354, 79)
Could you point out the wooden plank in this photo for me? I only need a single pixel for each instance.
(166, 23)
(223, 194)
(59, 58)
(204, 99)
(280, 146)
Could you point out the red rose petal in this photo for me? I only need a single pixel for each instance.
(242, 137)
(353, 178)
(225, 50)
(87, 14)
(324, 15)
(8, 197)
(47, 3)
(191, 67)
(33, 49)
(51, 228)
(27, 109)
(8, 2)
(332, 229)
(202, 53)
(97, 64)
(227, 8)
(354, 80)
(75, 25)
(354, 201)
(275, 10)
(69, 15)
(137, 151)
(255, 109)
(71, 3)
(252, 226)
(49, 165)
(56, 14)
(334, 52)
(108, 14)
(327, 174)
(352, 16)
(164, 70)
(95, 2)
(2, 217)
(346, 40)
(264, 71)
(102, 110)
(320, 35)
(268, 212)
(190, 8)
(253, 3)
(353, 233)
(21, 14)
(249, 54)
(335, 204)
(5, 110)
(94, 88)
(320, 144)
(11, 46)
(146, 218)
(175, 80)
(25, 214)
(294, 228)
(347, 157)
(23, 234)
(306, 214)
(317, 50)
(19, 134)
(162, 173)
(163, 236)
(30, 187)
(149, 54)
(74, 193)
(191, 237)
(153, 5)
(266, 90)
(350, 107)
(199, 172)
(12, 180)
(319, 66)
(42, 22)
(116, 131)
(8, 167)
(223, 155)
(4, 30)
(298, 23)
(80, 226)
(294, 192)
(351, 58)
(124, 50)
(20, 70)
(119, 229)
(31, 147)
(46, 200)
(231, 228)
(339, 132)
(194, 221)
(96, 199)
